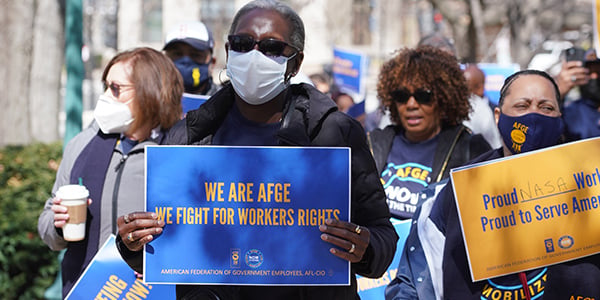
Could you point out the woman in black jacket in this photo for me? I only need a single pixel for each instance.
(260, 108)
(427, 96)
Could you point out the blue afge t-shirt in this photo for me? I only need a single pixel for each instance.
(236, 130)
(408, 171)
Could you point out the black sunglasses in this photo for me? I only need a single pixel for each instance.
(421, 96)
(115, 88)
(269, 47)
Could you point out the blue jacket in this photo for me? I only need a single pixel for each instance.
(421, 261)
(582, 120)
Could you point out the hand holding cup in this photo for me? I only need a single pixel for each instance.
(70, 211)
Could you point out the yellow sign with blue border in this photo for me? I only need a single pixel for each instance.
(530, 210)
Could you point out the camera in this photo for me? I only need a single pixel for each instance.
(575, 54)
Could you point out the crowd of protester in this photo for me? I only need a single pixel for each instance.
(437, 117)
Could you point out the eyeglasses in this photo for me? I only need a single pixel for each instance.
(269, 47)
(421, 96)
(115, 88)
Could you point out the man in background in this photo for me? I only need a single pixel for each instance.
(190, 46)
(481, 118)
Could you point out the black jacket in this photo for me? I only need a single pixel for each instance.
(310, 119)
(455, 148)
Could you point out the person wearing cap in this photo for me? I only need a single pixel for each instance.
(190, 46)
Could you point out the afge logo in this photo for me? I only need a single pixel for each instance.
(411, 172)
(402, 184)
(518, 136)
(549, 245)
(565, 242)
(234, 260)
(254, 258)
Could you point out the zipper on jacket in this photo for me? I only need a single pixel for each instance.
(370, 144)
(121, 162)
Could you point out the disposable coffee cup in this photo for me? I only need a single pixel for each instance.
(74, 197)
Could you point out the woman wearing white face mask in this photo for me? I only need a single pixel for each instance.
(142, 98)
(261, 108)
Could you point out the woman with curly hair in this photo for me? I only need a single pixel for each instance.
(427, 96)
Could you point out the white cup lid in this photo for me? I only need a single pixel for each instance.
(72, 191)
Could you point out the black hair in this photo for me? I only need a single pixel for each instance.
(295, 22)
(510, 79)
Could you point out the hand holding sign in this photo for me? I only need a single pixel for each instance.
(138, 228)
(251, 207)
(348, 236)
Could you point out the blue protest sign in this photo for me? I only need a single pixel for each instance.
(109, 277)
(357, 109)
(374, 288)
(349, 69)
(495, 75)
(191, 101)
(246, 215)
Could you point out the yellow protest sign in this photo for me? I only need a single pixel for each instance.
(531, 210)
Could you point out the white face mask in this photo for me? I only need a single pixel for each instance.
(255, 77)
(112, 116)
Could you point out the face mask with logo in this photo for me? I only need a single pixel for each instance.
(529, 132)
(112, 116)
(255, 77)
(193, 73)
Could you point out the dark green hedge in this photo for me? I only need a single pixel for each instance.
(27, 266)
